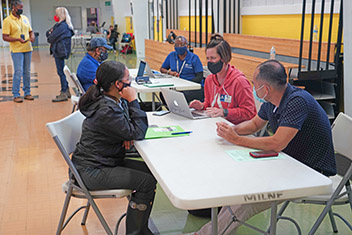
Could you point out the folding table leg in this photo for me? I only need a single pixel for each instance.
(214, 220)
(273, 220)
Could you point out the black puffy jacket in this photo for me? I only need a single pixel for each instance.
(106, 127)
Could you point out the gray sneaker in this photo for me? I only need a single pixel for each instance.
(68, 93)
(61, 97)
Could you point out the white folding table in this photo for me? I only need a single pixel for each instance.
(195, 171)
(178, 84)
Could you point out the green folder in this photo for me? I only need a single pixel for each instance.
(152, 85)
(163, 132)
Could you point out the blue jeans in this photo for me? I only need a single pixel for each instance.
(22, 67)
(112, 42)
(60, 64)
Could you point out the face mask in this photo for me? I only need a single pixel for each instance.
(181, 50)
(261, 100)
(103, 55)
(19, 12)
(57, 19)
(216, 67)
(124, 86)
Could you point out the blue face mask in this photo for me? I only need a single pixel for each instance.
(181, 50)
(261, 100)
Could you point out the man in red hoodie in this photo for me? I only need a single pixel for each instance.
(227, 91)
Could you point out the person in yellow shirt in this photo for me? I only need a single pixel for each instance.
(18, 32)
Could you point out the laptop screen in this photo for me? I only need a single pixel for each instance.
(141, 69)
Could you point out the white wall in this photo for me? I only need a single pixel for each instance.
(42, 13)
(280, 7)
(347, 21)
(140, 25)
(121, 10)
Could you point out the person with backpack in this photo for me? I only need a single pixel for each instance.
(112, 36)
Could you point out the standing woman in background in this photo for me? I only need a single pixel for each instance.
(59, 38)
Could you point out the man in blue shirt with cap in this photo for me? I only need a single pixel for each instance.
(97, 53)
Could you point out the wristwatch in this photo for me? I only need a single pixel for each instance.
(226, 112)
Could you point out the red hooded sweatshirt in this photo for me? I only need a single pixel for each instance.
(235, 95)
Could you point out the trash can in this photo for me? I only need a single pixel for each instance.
(36, 41)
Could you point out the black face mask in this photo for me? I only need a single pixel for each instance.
(19, 12)
(103, 55)
(124, 85)
(214, 68)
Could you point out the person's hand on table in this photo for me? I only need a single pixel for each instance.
(196, 104)
(127, 144)
(227, 132)
(174, 73)
(214, 112)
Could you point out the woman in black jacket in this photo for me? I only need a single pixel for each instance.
(113, 120)
(59, 38)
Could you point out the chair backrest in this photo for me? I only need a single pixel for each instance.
(66, 134)
(78, 84)
(342, 135)
(70, 80)
(67, 130)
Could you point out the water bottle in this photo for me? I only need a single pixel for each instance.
(272, 53)
(315, 33)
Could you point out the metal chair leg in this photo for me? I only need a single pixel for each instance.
(64, 211)
(84, 219)
(333, 222)
(100, 216)
(73, 108)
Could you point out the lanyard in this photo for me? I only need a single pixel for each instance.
(20, 24)
(179, 72)
(217, 98)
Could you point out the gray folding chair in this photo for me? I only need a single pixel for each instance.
(66, 133)
(75, 85)
(341, 194)
(78, 84)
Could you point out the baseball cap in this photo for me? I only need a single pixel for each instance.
(99, 42)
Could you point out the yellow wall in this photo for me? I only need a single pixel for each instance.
(286, 26)
(184, 24)
(129, 24)
(160, 30)
(129, 28)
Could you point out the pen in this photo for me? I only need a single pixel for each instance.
(181, 133)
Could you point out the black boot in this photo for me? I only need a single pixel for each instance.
(137, 216)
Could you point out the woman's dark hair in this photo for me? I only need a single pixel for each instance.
(222, 47)
(107, 73)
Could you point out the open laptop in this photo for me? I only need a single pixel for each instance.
(140, 78)
(177, 104)
(150, 73)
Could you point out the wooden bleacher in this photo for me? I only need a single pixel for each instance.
(285, 47)
(156, 52)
